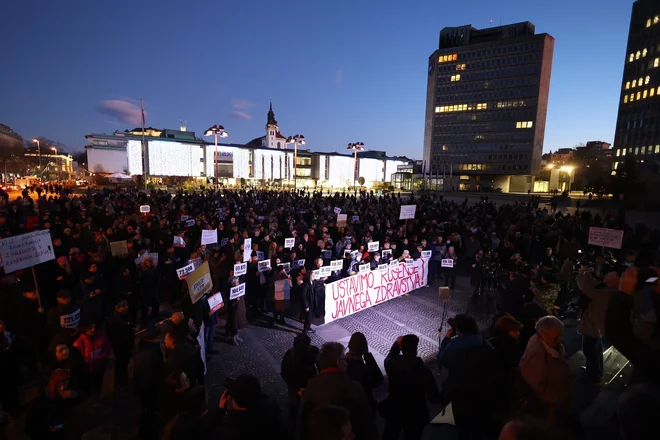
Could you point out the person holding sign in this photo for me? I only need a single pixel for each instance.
(279, 294)
(236, 313)
(307, 299)
(449, 266)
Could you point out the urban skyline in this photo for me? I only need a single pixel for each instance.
(329, 85)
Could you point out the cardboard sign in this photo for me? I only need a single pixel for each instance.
(70, 320)
(409, 261)
(407, 212)
(185, 270)
(190, 223)
(289, 243)
(118, 248)
(237, 292)
(426, 254)
(336, 264)
(382, 268)
(364, 290)
(326, 254)
(224, 242)
(215, 302)
(386, 253)
(199, 282)
(337, 210)
(209, 236)
(287, 267)
(355, 218)
(26, 250)
(263, 266)
(365, 267)
(260, 255)
(178, 241)
(341, 220)
(145, 208)
(447, 262)
(609, 238)
(240, 269)
(297, 264)
(282, 290)
(373, 246)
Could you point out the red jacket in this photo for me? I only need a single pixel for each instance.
(95, 351)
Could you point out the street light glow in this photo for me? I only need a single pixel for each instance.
(567, 169)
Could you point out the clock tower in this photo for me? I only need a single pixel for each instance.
(273, 131)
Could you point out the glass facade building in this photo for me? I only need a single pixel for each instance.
(486, 105)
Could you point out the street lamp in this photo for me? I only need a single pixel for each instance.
(39, 150)
(216, 130)
(56, 163)
(356, 146)
(296, 140)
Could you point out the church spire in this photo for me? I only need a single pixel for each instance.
(271, 115)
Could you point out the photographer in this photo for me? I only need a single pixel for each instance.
(477, 274)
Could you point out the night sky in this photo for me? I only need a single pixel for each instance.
(338, 72)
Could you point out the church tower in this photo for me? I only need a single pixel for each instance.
(274, 138)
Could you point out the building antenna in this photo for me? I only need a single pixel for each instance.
(183, 124)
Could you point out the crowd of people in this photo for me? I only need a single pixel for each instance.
(92, 307)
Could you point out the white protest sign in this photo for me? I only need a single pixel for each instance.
(199, 282)
(289, 243)
(178, 241)
(409, 261)
(287, 267)
(363, 290)
(240, 269)
(609, 238)
(25, 250)
(237, 292)
(386, 252)
(196, 262)
(326, 253)
(373, 246)
(325, 271)
(316, 274)
(297, 264)
(209, 236)
(337, 210)
(263, 266)
(394, 263)
(355, 218)
(336, 264)
(145, 208)
(190, 223)
(341, 220)
(447, 262)
(247, 249)
(382, 268)
(426, 254)
(185, 270)
(407, 212)
(364, 267)
(70, 320)
(118, 248)
(215, 302)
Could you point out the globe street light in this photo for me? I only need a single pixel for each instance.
(296, 140)
(39, 150)
(356, 146)
(216, 130)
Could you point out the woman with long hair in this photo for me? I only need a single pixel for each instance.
(362, 367)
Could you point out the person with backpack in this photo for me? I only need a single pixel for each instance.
(470, 385)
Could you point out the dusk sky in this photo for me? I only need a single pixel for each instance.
(338, 72)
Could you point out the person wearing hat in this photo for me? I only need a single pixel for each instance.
(64, 318)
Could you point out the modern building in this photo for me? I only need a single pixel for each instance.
(638, 123)
(11, 147)
(486, 104)
(57, 165)
(265, 160)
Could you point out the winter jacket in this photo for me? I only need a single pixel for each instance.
(94, 350)
(547, 373)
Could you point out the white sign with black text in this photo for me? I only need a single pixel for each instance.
(237, 292)
(240, 269)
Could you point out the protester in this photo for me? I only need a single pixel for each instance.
(330, 422)
(299, 365)
(362, 367)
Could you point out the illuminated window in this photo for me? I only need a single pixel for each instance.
(644, 94)
(627, 85)
(438, 109)
(647, 79)
(658, 91)
(656, 62)
(632, 97)
(631, 58)
(518, 124)
(643, 150)
(456, 78)
(616, 165)
(657, 149)
(618, 153)
(656, 19)
(640, 81)
(639, 96)
(636, 151)
(444, 148)
(460, 66)
(625, 100)
(652, 94)
(525, 124)
(623, 153)
(455, 57)
(446, 58)
(634, 83)
(638, 54)
(644, 52)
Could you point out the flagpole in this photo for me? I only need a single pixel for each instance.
(144, 149)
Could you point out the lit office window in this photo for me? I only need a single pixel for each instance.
(631, 58)
(616, 165)
(644, 52)
(656, 19)
(634, 83)
(640, 81)
(636, 151)
(643, 150)
(652, 93)
(525, 124)
(644, 94)
(460, 66)
(657, 149)
(648, 23)
(455, 78)
(638, 54)
(618, 153)
(627, 85)
(647, 79)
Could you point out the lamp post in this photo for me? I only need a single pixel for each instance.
(39, 150)
(56, 163)
(216, 130)
(296, 140)
(356, 146)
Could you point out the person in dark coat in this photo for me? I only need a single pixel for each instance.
(190, 421)
(120, 333)
(333, 386)
(362, 367)
(299, 364)
(507, 354)
(148, 375)
(64, 318)
(307, 300)
(411, 385)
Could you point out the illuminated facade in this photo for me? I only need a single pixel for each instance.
(638, 123)
(487, 96)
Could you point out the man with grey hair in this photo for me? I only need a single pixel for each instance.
(544, 369)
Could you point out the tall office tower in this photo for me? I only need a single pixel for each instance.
(638, 122)
(486, 103)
